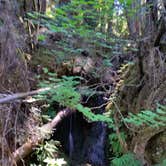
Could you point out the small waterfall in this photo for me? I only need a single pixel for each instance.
(82, 141)
(71, 141)
(94, 147)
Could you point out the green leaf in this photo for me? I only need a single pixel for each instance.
(41, 37)
(45, 70)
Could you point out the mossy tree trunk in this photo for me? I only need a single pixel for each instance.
(144, 84)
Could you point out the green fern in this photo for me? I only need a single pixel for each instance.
(67, 95)
(150, 118)
(126, 160)
(46, 153)
(91, 116)
(62, 90)
(116, 147)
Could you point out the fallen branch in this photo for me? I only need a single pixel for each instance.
(9, 98)
(28, 147)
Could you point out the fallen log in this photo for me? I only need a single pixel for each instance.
(9, 98)
(29, 146)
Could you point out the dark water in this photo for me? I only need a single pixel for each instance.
(94, 146)
(83, 142)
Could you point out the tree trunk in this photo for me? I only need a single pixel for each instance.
(144, 83)
(13, 71)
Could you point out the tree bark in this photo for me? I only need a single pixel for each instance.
(144, 85)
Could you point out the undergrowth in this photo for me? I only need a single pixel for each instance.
(65, 92)
(86, 21)
(126, 160)
(48, 154)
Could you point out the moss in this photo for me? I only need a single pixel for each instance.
(155, 149)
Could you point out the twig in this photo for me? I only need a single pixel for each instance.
(118, 110)
(122, 142)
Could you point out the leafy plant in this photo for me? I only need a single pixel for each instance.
(126, 160)
(91, 116)
(147, 117)
(87, 21)
(64, 92)
(41, 37)
(115, 144)
(46, 154)
(55, 162)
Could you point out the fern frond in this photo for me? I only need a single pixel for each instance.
(91, 116)
(126, 160)
(150, 118)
